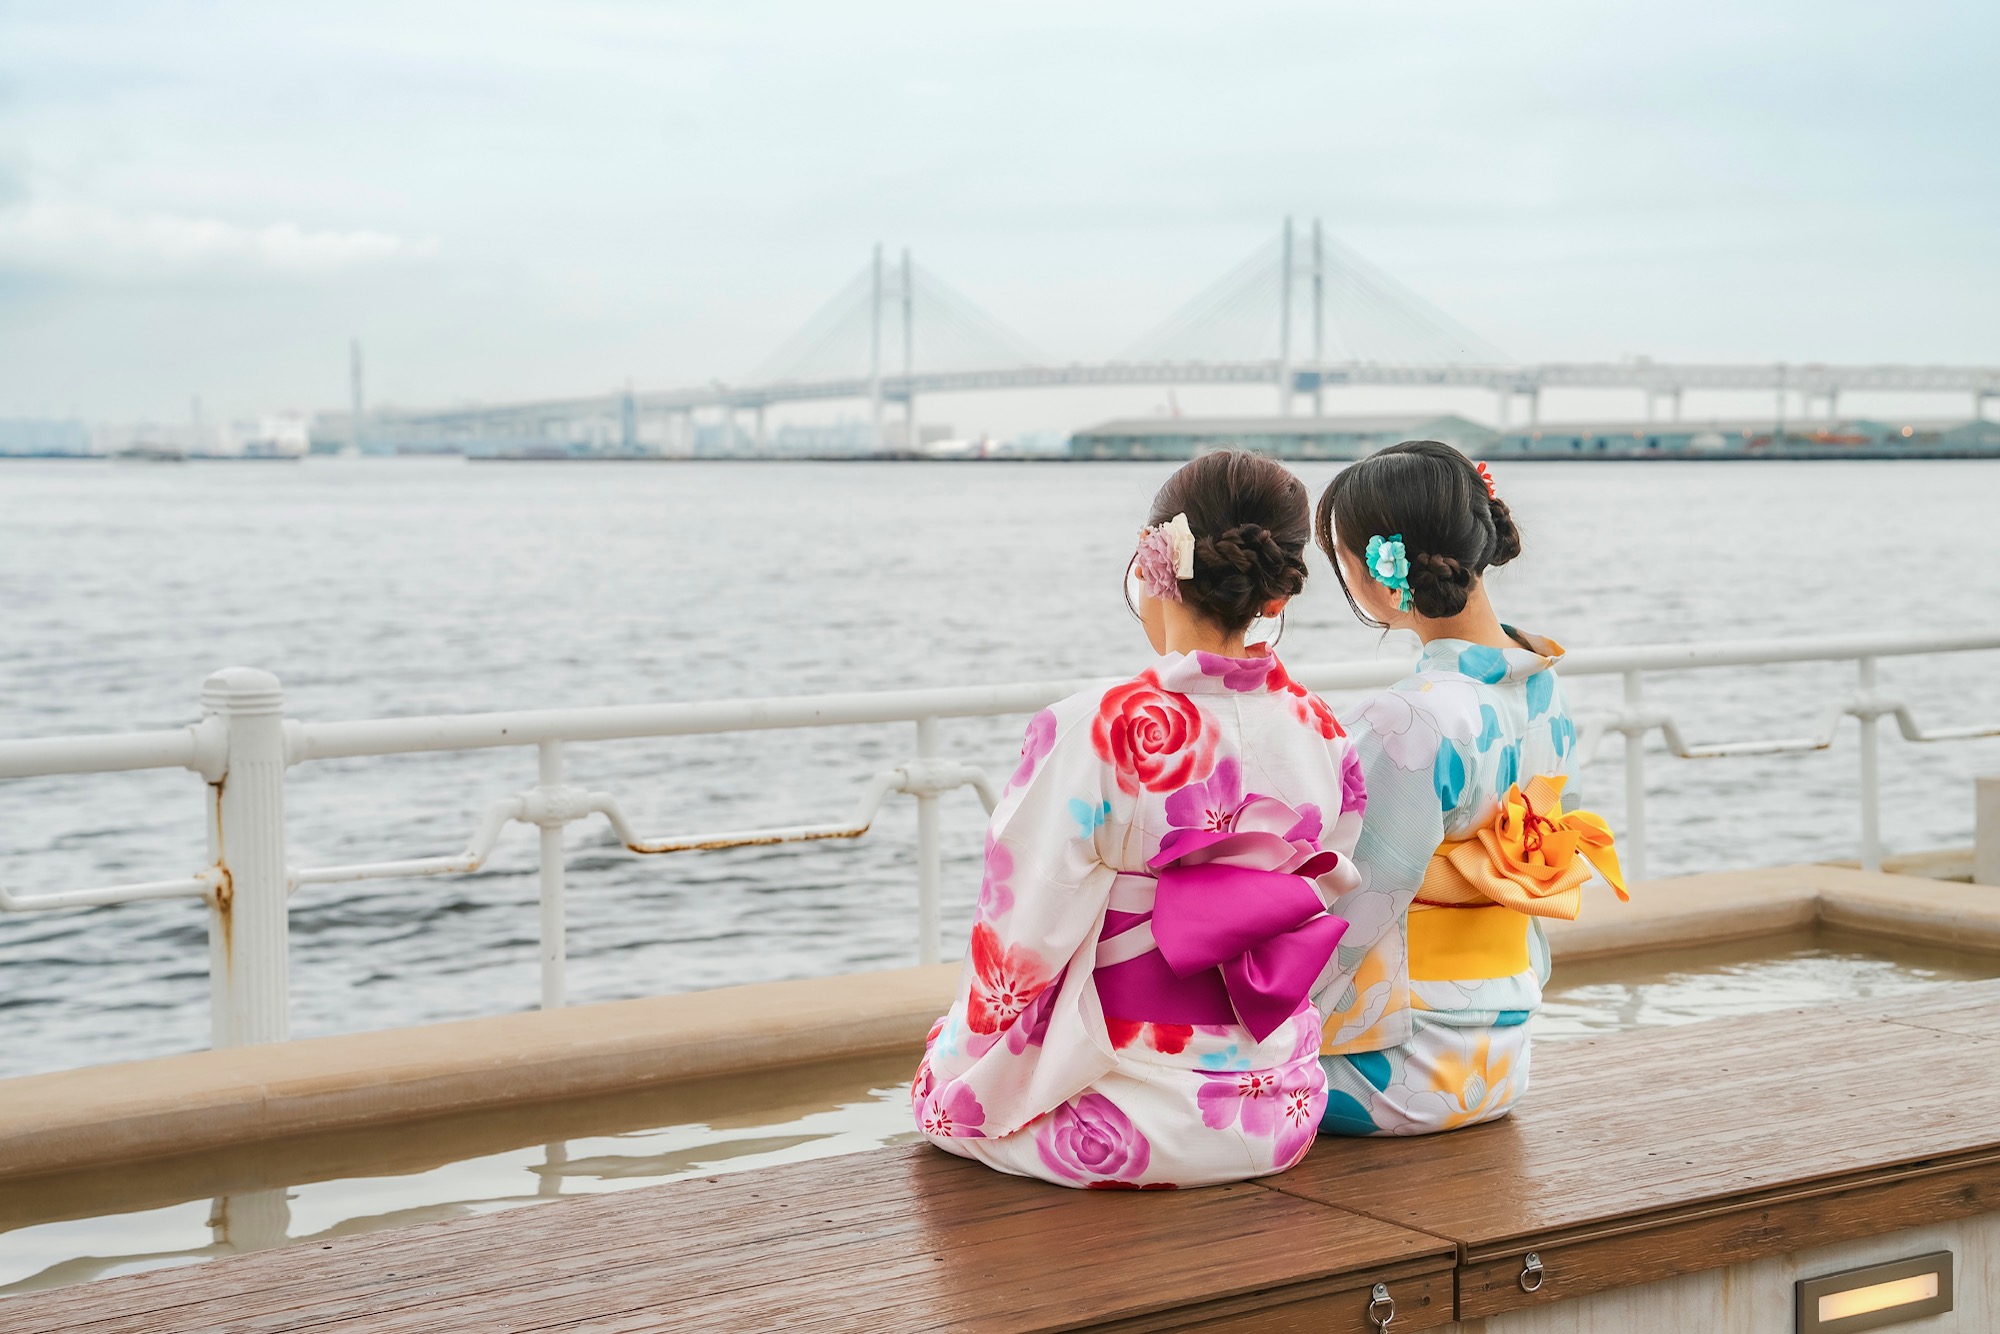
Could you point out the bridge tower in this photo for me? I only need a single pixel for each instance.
(354, 394)
(1319, 317)
(875, 356)
(910, 441)
(1285, 322)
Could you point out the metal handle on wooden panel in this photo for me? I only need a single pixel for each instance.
(1381, 1299)
(1532, 1269)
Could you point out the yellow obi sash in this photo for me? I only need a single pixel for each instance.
(1470, 918)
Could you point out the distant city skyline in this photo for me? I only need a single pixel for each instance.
(530, 199)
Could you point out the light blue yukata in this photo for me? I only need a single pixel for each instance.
(1440, 750)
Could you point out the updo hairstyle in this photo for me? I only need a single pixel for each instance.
(1250, 517)
(1432, 495)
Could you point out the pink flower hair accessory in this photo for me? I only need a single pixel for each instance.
(1165, 557)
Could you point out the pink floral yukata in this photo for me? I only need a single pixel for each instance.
(1134, 1010)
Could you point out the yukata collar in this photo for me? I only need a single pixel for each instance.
(1482, 662)
(1200, 673)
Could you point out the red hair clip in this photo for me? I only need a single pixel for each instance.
(1486, 476)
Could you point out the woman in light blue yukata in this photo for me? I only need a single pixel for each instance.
(1464, 844)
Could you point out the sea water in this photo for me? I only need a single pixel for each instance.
(397, 587)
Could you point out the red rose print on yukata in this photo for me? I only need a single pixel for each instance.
(1089, 1139)
(1004, 981)
(1153, 737)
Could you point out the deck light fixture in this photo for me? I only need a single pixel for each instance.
(1876, 1296)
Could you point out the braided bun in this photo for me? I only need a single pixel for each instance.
(1439, 585)
(1242, 570)
(1436, 500)
(1506, 537)
(1251, 518)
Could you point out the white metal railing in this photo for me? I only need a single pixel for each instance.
(243, 747)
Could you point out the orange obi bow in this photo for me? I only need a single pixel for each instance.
(1531, 858)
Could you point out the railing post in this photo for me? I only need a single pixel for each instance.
(930, 851)
(555, 950)
(1986, 830)
(249, 964)
(1871, 787)
(1633, 853)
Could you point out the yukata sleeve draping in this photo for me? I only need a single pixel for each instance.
(1408, 764)
(1025, 1031)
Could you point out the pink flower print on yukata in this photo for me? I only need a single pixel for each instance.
(1300, 1105)
(1089, 1139)
(952, 1112)
(1353, 785)
(1280, 1105)
(1211, 805)
(1004, 980)
(996, 897)
(1039, 741)
(1241, 674)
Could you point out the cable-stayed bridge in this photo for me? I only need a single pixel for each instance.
(1302, 314)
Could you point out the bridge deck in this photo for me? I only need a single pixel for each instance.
(1636, 1157)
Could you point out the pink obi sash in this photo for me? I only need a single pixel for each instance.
(1228, 931)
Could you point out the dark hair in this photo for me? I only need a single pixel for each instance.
(1250, 518)
(1432, 495)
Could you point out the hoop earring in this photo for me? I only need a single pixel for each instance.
(1272, 642)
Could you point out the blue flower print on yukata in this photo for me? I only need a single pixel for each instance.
(1541, 691)
(1562, 732)
(1089, 819)
(1226, 1059)
(1509, 772)
(1345, 1116)
(1448, 774)
(1482, 663)
(1372, 1066)
(1489, 727)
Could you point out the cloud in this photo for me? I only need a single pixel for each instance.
(81, 238)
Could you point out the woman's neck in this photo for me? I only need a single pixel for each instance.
(1183, 631)
(1218, 642)
(1476, 624)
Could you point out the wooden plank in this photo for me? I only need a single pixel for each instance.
(874, 1240)
(1633, 1157)
(1640, 1123)
(1743, 1231)
(1640, 1156)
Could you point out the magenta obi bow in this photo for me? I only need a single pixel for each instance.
(1238, 902)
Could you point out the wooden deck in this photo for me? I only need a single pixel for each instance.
(1634, 1158)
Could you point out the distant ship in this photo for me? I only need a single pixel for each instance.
(150, 454)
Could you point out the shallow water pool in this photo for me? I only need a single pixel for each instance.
(182, 1211)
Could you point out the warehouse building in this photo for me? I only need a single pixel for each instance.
(1281, 437)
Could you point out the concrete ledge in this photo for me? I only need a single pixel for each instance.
(212, 1099)
(1692, 910)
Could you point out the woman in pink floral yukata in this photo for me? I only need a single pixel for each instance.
(1134, 1008)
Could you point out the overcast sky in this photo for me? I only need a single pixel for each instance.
(506, 199)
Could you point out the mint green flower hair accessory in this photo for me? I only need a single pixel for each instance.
(1390, 567)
